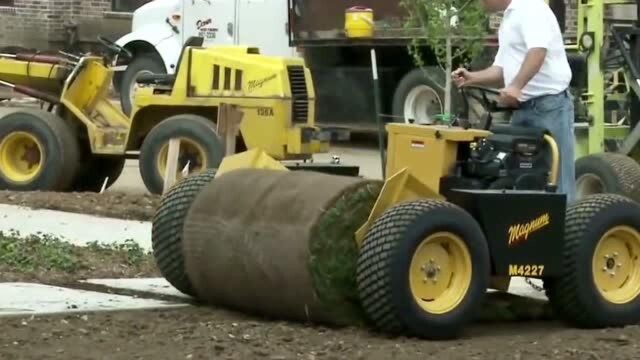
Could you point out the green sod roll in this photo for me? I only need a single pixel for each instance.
(279, 244)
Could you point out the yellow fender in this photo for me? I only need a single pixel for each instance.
(251, 159)
(400, 187)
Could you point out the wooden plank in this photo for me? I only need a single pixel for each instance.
(228, 128)
(172, 164)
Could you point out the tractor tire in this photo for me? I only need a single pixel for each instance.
(167, 227)
(198, 135)
(52, 147)
(417, 92)
(608, 173)
(602, 245)
(388, 277)
(95, 170)
(145, 63)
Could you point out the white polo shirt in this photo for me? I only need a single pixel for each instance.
(530, 24)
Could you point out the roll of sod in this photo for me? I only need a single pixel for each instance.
(279, 244)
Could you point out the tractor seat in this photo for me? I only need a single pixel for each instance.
(535, 132)
(156, 79)
(169, 79)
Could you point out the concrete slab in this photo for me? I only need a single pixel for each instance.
(29, 299)
(162, 287)
(78, 229)
(158, 286)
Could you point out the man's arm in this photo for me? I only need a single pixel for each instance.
(530, 66)
(491, 76)
(538, 31)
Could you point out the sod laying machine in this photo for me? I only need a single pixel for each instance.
(461, 210)
(81, 140)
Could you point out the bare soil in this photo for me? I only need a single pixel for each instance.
(109, 204)
(205, 333)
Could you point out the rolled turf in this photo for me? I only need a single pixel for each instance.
(279, 243)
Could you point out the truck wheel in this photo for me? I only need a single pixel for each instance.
(608, 173)
(423, 269)
(418, 97)
(600, 282)
(166, 230)
(95, 170)
(200, 147)
(38, 152)
(145, 63)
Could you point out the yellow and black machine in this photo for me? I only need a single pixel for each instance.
(461, 210)
(82, 140)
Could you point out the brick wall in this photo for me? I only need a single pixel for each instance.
(41, 24)
(571, 18)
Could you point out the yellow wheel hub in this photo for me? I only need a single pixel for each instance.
(190, 153)
(21, 157)
(616, 265)
(440, 272)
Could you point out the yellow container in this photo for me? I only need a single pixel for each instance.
(359, 22)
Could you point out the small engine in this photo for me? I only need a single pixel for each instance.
(510, 158)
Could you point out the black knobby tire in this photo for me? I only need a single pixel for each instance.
(145, 61)
(573, 295)
(193, 127)
(167, 229)
(95, 170)
(384, 261)
(616, 174)
(60, 148)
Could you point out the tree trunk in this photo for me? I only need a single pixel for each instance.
(447, 87)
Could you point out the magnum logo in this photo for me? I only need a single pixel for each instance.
(256, 84)
(520, 232)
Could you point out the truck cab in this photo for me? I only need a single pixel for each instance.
(160, 28)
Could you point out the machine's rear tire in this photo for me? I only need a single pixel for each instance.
(31, 138)
(145, 63)
(95, 170)
(167, 229)
(602, 247)
(200, 146)
(389, 281)
(608, 173)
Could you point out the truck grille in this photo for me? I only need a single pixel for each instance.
(299, 95)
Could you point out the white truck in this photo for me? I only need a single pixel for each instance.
(161, 27)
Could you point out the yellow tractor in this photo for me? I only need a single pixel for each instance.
(461, 210)
(81, 141)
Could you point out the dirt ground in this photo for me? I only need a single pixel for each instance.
(198, 332)
(122, 205)
(204, 333)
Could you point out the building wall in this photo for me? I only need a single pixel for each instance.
(571, 18)
(42, 24)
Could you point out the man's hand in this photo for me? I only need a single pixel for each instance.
(462, 77)
(510, 96)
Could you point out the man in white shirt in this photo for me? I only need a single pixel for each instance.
(532, 71)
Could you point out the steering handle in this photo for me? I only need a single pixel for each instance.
(115, 48)
(490, 105)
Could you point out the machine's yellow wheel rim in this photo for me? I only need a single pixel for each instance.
(21, 157)
(191, 153)
(616, 265)
(440, 272)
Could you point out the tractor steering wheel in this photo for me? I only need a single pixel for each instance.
(114, 48)
(489, 103)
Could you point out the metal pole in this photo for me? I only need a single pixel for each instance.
(378, 103)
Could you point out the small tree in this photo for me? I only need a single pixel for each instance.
(454, 29)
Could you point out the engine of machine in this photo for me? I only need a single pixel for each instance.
(505, 160)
